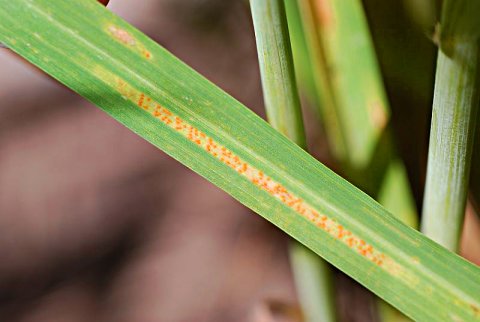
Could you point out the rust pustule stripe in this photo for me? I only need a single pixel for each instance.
(257, 177)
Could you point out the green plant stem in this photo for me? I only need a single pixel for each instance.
(276, 68)
(314, 284)
(455, 106)
(454, 113)
(312, 274)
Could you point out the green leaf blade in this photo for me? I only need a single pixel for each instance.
(416, 275)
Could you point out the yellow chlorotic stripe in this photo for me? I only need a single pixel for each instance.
(127, 39)
(257, 177)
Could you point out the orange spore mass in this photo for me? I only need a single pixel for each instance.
(257, 177)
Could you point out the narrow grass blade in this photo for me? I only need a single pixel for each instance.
(301, 56)
(311, 54)
(341, 26)
(373, 163)
(454, 114)
(312, 275)
(151, 92)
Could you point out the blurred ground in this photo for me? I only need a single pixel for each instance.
(97, 225)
